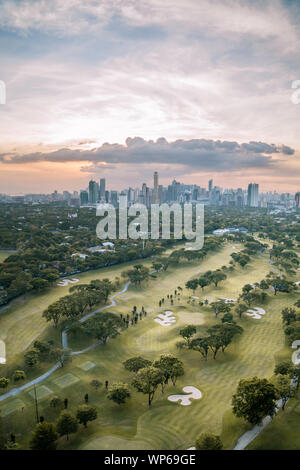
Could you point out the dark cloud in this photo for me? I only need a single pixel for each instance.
(197, 154)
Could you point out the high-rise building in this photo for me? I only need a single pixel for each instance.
(156, 197)
(102, 188)
(210, 185)
(252, 199)
(84, 198)
(93, 192)
(297, 199)
(114, 198)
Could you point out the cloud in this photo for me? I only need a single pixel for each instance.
(196, 154)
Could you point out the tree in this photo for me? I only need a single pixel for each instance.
(208, 441)
(66, 424)
(53, 313)
(187, 332)
(284, 388)
(217, 276)
(288, 315)
(220, 307)
(170, 366)
(203, 282)
(192, 284)
(32, 358)
(254, 399)
(134, 364)
(227, 318)
(86, 413)
(147, 381)
(138, 274)
(201, 345)
(118, 393)
(44, 437)
(4, 382)
(96, 384)
(102, 326)
(240, 309)
(19, 375)
(284, 368)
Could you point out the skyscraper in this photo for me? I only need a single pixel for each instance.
(102, 188)
(252, 199)
(93, 192)
(210, 185)
(156, 198)
(84, 198)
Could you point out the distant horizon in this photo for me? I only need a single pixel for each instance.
(117, 89)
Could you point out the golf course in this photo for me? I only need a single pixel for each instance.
(170, 423)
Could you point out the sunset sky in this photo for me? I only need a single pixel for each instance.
(120, 88)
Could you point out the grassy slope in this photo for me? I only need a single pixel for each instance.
(21, 323)
(169, 425)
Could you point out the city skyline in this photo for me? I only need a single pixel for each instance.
(190, 89)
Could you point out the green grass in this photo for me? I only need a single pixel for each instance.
(42, 392)
(11, 406)
(66, 380)
(22, 322)
(167, 425)
(283, 433)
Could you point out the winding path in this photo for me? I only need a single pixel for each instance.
(64, 336)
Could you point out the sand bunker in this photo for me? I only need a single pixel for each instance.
(195, 297)
(255, 312)
(165, 319)
(227, 300)
(66, 282)
(2, 352)
(185, 400)
(296, 354)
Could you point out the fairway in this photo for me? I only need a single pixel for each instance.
(22, 322)
(42, 392)
(66, 380)
(11, 406)
(169, 424)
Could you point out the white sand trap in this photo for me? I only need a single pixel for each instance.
(194, 318)
(296, 357)
(191, 448)
(195, 297)
(11, 406)
(233, 247)
(227, 300)
(86, 365)
(185, 400)
(256, 312)
(42, 392)
(2, 352)
(165, 319)
(297, 283)
(296, 354)
(66, 380)
(66, 282)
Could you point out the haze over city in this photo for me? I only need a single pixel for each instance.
(194, 90)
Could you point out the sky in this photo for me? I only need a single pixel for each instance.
(193, 89)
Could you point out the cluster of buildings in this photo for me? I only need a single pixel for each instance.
(97, 192)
